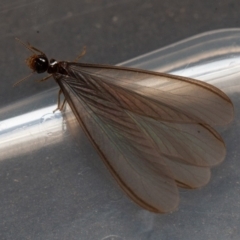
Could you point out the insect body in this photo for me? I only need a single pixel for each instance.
(152, 130)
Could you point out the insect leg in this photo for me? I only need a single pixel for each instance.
(60, 106)
(46, 78)
(81, 54)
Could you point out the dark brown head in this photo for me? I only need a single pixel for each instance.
(38, 63)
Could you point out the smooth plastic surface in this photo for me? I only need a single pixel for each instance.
(54, 176)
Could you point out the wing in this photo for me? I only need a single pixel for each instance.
(131, 158)
(147, 151)
(193, 142)
(158, 95)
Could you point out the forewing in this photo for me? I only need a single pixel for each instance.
(158, 95)
(151, 135)
(191, 143)
(131, 157)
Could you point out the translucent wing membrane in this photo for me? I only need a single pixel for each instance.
(195, 144)
(152, 130)
(158, 95)
(132, 159)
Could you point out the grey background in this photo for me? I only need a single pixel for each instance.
(43, 199)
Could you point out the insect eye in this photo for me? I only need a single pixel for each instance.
(41, 64)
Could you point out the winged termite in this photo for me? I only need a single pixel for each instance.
(152, 130)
